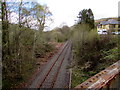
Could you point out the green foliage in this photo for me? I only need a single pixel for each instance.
(111, 55)
(61, 34)
(92, 52)
(86, 17)
(24, 47)
(41, 13)
(84, 41)
(79, 76)
(40, 52)
(20, 48)
(88, 45)
(20, 42)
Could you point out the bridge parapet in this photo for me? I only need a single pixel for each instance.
(106, 79)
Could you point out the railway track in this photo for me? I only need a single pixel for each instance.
(48, 77)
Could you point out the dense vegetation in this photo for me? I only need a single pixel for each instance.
(86, 17)
(24, 39)
(92, 52)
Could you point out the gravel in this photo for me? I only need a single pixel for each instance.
(62, 80)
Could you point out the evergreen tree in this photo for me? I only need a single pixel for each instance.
(86, 17)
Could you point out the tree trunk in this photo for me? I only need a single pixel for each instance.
(5, 32)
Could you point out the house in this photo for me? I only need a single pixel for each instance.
(110, 25)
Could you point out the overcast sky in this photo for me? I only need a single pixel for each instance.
(65, 11)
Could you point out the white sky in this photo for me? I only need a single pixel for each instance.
(67, 10)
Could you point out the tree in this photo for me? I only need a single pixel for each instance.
(19, 40)
(41, 14)
(5, 31)
(86, 17)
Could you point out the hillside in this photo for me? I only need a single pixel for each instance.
(105, 19)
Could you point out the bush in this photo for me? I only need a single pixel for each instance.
(24, 46)
(88, 46)
(92, 53)
(83, 43)
(111, 55)
(42, 49)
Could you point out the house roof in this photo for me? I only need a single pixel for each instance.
(110, 21)
(103, 22)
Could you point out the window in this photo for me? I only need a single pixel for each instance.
(119, 26)
(114, 26)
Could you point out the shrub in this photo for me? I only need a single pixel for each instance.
(42, 49)
(92, 53)
(88, 46)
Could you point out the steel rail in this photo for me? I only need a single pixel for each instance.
(40, 84)
(53, 82)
